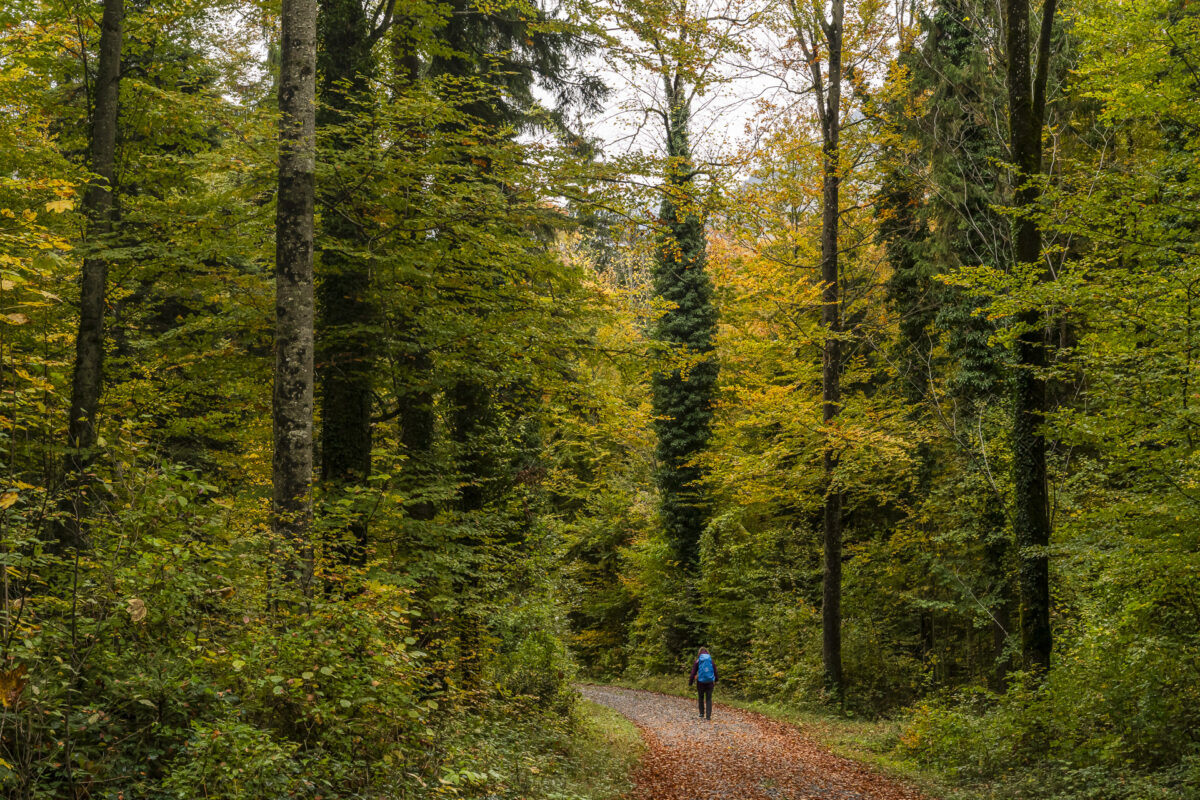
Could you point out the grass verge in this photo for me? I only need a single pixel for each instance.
(589, 754)
(606, 748)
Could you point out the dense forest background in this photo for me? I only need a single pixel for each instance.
(854, 341)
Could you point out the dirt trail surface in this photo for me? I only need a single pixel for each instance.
(737, 756)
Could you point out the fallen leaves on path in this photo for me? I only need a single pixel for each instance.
(739, 755)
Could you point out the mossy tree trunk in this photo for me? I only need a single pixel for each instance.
(292, 401)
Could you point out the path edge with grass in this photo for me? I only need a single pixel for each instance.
(869, 742)
(609, 743)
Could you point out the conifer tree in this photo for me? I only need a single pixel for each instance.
(346, 330)
(937, 204)
(963, 143)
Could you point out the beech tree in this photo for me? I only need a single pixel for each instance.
(819, 36)
(292, 406)
(100, 209)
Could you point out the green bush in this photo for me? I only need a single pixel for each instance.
(1063, 739)
(532, 661)
(784, 662)
(230, 760)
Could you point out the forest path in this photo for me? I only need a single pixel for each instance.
(739, 755)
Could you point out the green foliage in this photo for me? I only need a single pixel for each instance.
(586, 755)
(551, 476)
(230, 760)
(167, 657)
(925, 458)
(532, 663)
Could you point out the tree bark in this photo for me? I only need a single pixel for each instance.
(99, 206)
(831, 390)
(292, 405)
(1031, 518)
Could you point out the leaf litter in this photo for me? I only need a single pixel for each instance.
(738, 755)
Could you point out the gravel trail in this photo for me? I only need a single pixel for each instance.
(739, 755)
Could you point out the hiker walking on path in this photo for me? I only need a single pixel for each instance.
(704, 675)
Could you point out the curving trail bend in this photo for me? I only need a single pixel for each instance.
(739, 755)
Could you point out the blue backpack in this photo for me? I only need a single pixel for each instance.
(705, 673)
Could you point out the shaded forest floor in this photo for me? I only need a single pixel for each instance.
(739, 755)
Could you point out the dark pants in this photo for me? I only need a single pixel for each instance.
(704, 696)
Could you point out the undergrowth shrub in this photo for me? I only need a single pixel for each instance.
(784, 662)
(341, 681)
(162, 663)
(662, 600)
(1104, 725)
(230, 760)
(500, 755)
(532, 661)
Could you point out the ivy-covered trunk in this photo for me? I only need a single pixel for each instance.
(683, 397)
(1031, 514)
(292, 402)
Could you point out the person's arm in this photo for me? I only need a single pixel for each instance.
(692, 677)
(715, 676)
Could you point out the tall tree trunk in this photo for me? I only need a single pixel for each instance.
(683, 401)
(344, 331)
(99, 206)
(831, 390)
(292, 406)
(1031, 518)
